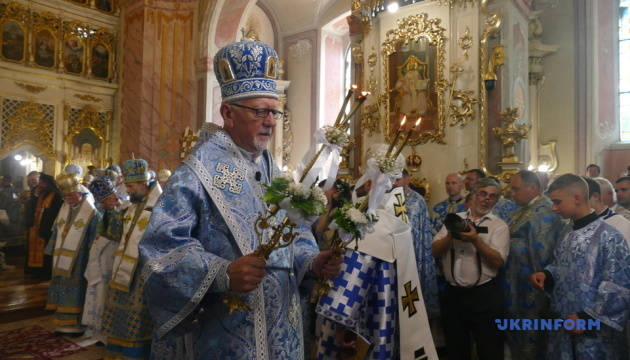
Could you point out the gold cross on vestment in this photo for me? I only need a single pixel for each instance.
(410, 298)
(78, 224)
(400, 208)
(142, 223)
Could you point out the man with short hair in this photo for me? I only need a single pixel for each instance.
(594, 200)
(534, 230)
(453, 204)
(472, 257)
(72, 236)
(472, 176)
(593, 171)
(622, 189)
(588, 278)
(200, 242)
(126, 300)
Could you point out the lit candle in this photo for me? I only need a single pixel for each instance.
(413, 128)
(395, 139)
(345, 103)
(360, 100)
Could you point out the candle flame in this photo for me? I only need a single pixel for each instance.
(353, 86)
(403, 120)
(365, 93)
(418, 122)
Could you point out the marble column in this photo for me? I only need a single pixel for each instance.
(158, 90)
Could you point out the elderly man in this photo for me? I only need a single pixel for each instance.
(453, 204)
(73, 234)
(126, 302)
(201, 241)
(534, 229)
(102, 253)
(472, 253)
(588, 278)
(595, 202)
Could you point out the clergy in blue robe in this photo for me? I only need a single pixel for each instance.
(200, 241)
(534, 230)
(455, 203)
(504, 208)
(589, 278)
(126, 320)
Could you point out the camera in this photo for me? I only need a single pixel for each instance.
(455, 224)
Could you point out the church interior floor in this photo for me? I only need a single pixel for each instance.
(23, 302)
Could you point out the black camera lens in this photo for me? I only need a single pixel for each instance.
(455, 223)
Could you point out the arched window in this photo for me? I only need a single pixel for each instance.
(334, 75)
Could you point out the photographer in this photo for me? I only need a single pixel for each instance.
(473, 246)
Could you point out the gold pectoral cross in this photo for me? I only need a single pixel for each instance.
(408, 301)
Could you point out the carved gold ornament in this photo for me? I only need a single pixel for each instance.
(461, 105)
(510, 134)
(88, 97)
(33, 89)
(28, 126)
(460, 3)
(465, 111)
(465, 42)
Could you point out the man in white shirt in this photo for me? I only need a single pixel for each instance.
(473, 298)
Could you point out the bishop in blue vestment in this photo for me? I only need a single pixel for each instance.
(201, 239)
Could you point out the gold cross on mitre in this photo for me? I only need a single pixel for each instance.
(411, 296)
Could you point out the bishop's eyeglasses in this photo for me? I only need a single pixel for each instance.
(261, 112)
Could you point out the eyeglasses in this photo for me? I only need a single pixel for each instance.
(262, 113)
(470, 179)
(485, 196)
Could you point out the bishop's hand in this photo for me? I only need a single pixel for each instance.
(246, 273)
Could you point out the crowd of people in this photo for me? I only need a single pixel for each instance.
(150, 267)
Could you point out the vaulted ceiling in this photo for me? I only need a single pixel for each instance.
(295, 16)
